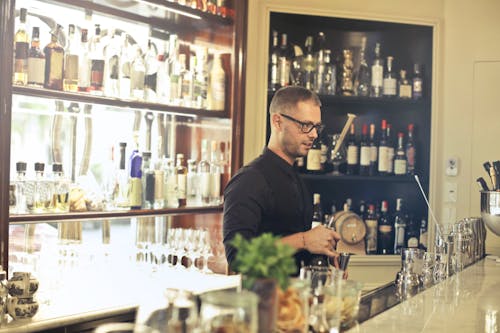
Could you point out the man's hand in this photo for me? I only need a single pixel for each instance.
(321, 240)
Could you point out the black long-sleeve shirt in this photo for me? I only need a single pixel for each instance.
(266, 196)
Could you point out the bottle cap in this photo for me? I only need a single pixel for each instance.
(57, 167)
(21, 166)
(146, 154)
(39, 166)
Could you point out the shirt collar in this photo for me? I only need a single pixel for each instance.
(278, 161)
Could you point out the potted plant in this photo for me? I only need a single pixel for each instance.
(265, 264)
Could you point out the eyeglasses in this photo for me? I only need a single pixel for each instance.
(305, 127)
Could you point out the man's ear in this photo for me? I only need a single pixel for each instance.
(275, 121)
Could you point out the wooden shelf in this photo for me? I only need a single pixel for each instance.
(350, 178)
(73, 216)
(91, 99)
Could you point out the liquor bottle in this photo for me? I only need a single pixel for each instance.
(222, 8)
(362, 209)
(317, 219)
(377, 73)
(137, 73)
(21, 47)
(163, 76)
(389, 82)
(36, 61)
(84, 63)
(216, 93)
(148, 181)
(135, 177)
(412, 233)
(215, 175)
(385, 231)
(96, 55)
(400, 167)
(159, 174)
(411, 151)
(300, 164)
(173, 69)
(383, 150)
(284, 62)
(352, 152)
(330, 78)
(192, 179)
(54, 62)
(170, 184)
(224, 167)
(347, 75)
(404, 86)
(109, 180)
(390, 151)
(364, 152)
(151, 72)
(319, 55)
(296, 72)
(112, 52)
(181, 175)
(422, 243)
(18, 191)
(186, 80)
(42, 191)
(372, 171)
(313, 164)
(399, 227)
(362, 83)
(309, 65)
(71, 59)
(371, 230)
(125, 66)
(417, 82)
(201, 79)
(204, 173)
(273, 63)
(121, 198)
(212, 6)
(60, 195)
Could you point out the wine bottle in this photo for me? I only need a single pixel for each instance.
(373, 152)
(352, 152)
(309, 64)
(412, 233)
(383, 150)
(54, 62)
(371, 230)
(411, 151)
(313, 164)
(364, 155)
(317, 219)
(385, 231)
(422, 243)
(377, 73)
(96, 63)
(389, 82)
(21, 47)
(390, 151)
(404, 86)
(399, 227)
(400, 165)
(36, 61)
(273, 63)
(417, 82)
(284, 62)
(84, 63)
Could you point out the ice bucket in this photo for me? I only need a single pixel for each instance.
(490, 210)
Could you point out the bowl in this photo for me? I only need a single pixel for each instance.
(490, 210)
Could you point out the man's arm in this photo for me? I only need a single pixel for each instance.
(319, 240)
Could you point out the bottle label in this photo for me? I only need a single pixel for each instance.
(400, 237)
(284, 71)
(159, 182)
(377, 75)
(399, 167)
(56, 67)
(135, 192)
(390, 87)
(417, 87)
(181, 186)
(390, 159)
(423, 239)
(352, 155)
(382, 159)
(36, 73)
(71, 67)
(405, 91)
(371, 235)
(410, 156)
(413, 242)
(215, 186)
(205, 185)
(373, 153)
(364, 159)
(324, 153)
(314, 160)
(386, 229)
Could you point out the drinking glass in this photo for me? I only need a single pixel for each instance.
(340, 156)
(179, 246)
(333, 301)
(205, 250)
(428, 268)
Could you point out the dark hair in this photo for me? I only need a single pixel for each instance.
(288, 97)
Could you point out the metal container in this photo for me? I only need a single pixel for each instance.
(490, 210)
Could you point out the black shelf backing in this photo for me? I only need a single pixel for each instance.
(91, 99)
(349, 178)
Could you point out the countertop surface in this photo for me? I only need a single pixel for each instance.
(466, 302)
(93, 297)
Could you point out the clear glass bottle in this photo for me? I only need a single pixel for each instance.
(21, 47)
(371, 222)
(97, 63)
(137, 74)
(308, 64)
(173, 69)
(411, 151)
(377, 73)
(192, 179)
(389, 82)
(17, 191)
(417, 82)
(330, 78)
(151, 72)
(36, 61)
(273, 83)
(216, 93)
(185, 82)
(121, 198)
(60, 195)
(54, 62)
(399, 227)
(175, 80)
(112, 53)
(84, 63)
(400, 164)
(319, 80)
(125, 66)
(362, 82)
(284, 62)
(404, 86)
(201, 79)
(42, 190)
(159, 173)
(181, 175)
(148, 181)
(347, 84)
(204, 173)
(71, 60)
(163, 76)
(215, 175)
(170, 183)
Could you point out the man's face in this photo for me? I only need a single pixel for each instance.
(294, 142)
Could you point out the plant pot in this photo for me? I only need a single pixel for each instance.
(267, 290)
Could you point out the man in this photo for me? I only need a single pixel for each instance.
(268, 195)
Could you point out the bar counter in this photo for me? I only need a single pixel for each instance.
(466, 302)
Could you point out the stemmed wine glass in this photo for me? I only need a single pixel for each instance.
(205, 250)
(179, 246)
